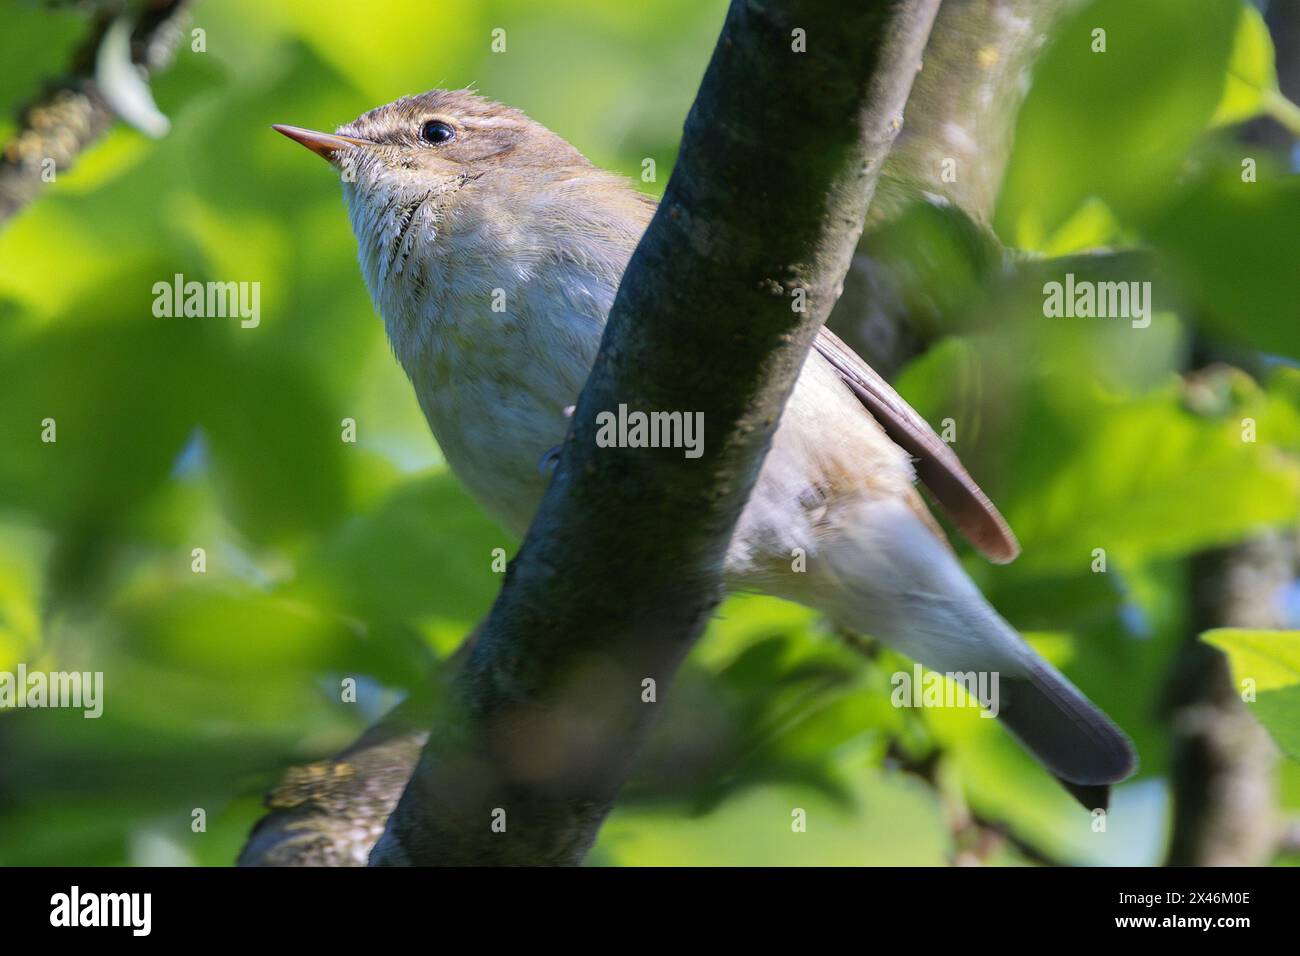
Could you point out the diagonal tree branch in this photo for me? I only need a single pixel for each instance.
(621, 569)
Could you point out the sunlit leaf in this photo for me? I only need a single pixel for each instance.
(1270, 662)
(1116, 124)
(1252, 74)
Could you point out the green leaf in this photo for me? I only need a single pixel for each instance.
(1271, 660)
(1279, 711)
(1149, 479)
(1116, 124)
(1252, 72)
(1091, 226)
(1231, 245)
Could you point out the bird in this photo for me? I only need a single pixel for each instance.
(492, 249)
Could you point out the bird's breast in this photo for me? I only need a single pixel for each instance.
(496, 360)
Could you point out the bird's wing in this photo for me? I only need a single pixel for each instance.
(940, 471)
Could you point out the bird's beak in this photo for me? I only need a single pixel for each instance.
(324, 145)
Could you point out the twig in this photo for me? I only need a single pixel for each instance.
(72, 113)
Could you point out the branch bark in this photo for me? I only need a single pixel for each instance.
(332, 812)
(621, 568)
(963, 107)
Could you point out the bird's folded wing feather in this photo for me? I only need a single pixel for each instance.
(937, 466)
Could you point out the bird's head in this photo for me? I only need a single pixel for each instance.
(408, 168)
(452, 195)
(441, 140)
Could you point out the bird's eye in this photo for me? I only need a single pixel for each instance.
(437, 132)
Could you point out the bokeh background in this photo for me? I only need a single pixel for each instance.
(328, 559)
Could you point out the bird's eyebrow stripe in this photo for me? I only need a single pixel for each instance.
(490, 121)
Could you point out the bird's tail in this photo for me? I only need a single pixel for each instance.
(891, 577)
(1069, 734)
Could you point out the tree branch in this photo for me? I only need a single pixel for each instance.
(621, 568)
(963, 108)
(72, 113)
(333, 811)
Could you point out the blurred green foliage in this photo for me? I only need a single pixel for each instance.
(327, 559)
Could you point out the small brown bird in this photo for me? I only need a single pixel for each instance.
(459, 203)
